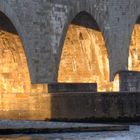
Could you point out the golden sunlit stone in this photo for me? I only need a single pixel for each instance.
(14, 74)
(85, 59)
(134, 52)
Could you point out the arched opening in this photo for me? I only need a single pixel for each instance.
(134, 51)
(84, 57)
(131, 78)
(14, 73)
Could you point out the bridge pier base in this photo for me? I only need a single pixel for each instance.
(71, 107)
(130, 81)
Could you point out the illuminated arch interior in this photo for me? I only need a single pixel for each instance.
(14, 73)
(84, 57)
(134, 51)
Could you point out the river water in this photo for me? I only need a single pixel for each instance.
(133, 134)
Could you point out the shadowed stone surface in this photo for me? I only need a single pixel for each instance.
(71, 107)
(72, 87)
(130, 81)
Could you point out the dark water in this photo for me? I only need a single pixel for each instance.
(133, 134)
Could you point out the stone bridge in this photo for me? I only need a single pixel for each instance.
(42, 27)
(36, 30)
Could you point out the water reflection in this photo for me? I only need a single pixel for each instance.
(76, 138)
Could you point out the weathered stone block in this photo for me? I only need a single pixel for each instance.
(130, 81)
(72, 87)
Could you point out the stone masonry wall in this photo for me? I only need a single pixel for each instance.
(130, 81)
(42, 26)
(85, 106)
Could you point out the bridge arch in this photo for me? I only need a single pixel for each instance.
(12, 16)
(14, 72)
(129, 80)
(134, 47)
(84, 56)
